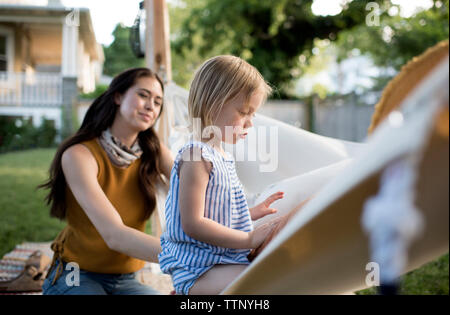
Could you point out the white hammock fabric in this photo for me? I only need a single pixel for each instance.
(324, 249)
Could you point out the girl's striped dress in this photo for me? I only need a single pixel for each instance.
(185, 258)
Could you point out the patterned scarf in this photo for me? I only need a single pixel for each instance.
(119, 153)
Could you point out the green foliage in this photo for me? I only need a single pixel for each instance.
(46, 134)
(99, 90)
(118, 55)
(396, 39)
(268, 34)
(321, 90)
(184, 61)
(20, 134)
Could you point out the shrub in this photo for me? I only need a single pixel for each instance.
(99, 90)
(20, 134)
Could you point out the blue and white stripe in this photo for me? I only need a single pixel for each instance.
(185, 258)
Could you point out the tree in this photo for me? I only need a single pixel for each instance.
(184, 62)
(396, 40)
(268, 34)
(118, 55)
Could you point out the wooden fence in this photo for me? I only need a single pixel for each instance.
(345, 117)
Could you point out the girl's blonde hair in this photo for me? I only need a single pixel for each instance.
(219, 80)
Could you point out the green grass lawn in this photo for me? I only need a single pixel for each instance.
(25, 217)
(430, 279)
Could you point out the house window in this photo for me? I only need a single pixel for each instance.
(3, 53)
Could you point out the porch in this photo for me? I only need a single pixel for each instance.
(31, 89)
(32, 95)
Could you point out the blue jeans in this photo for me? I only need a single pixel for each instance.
(92, 283)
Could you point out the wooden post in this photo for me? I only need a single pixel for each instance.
(157, 57)
(157, 50)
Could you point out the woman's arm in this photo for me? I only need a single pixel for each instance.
(80, 170)
(166, 160)
(194, 176)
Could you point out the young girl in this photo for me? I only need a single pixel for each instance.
(208, 223)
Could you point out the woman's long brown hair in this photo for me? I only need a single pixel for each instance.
(98, 118)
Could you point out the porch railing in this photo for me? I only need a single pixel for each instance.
(31, 90)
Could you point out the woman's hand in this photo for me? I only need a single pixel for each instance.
(263, 208)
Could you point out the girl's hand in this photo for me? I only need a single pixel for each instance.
(257, 236)
(263, 208)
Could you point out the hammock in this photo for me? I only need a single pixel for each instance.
(324, 248)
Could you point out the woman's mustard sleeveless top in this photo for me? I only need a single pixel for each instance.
(80, 241)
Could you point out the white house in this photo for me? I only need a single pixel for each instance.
(48, 54)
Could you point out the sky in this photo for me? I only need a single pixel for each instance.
(107, 13)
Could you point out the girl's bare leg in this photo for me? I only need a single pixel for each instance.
(216, 279)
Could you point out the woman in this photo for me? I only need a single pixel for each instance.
(102, 181)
